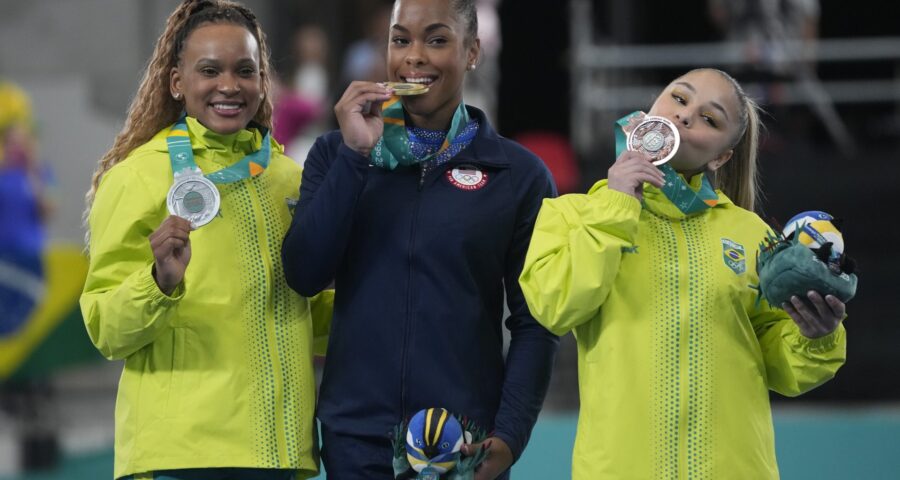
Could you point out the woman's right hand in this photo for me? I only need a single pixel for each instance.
(359, 115)
(171, 245)
(630, 172)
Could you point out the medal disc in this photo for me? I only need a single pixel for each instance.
(194, 198)
(657, 137)
(407, 88)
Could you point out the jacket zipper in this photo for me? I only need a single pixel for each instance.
(409, 294)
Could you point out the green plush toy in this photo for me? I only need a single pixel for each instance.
(807, 256)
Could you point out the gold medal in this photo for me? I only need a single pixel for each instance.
(401, 88)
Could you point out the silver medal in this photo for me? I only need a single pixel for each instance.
(657, 137)
(193, 197)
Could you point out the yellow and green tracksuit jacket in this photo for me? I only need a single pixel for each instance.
(676, 356)
(220, 373)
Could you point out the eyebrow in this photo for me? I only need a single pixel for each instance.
(430, 28)
(715, 104)
(218, 61)
(687, 86)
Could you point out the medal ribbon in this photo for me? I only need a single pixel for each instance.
(393, 147)
(676, 189)
(182, 156)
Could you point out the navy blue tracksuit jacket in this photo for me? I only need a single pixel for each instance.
(420, 264)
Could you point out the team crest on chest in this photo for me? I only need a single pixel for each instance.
(467, 177)
(734, 256)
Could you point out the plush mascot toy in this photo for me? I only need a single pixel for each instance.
(807, 255)
(432, 447)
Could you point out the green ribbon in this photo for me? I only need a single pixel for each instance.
(675, 188)
(393, 149)
(182, 156)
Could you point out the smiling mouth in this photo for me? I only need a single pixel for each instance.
(420, 80)
(227, 106)
(227, 109)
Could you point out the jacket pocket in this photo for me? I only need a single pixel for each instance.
(176, 377)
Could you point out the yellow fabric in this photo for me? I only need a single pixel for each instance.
(220, 373)
(675, 355)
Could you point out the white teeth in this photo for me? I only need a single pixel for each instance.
(420, 80)
(225, 106)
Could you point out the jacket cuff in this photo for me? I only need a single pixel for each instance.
(147, 284)
(359, 163)
(822, 344)
(616, 200)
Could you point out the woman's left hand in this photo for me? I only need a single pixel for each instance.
(822, 319)
(498, 460)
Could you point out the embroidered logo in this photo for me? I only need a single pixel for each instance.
(734, 256)
(467, 177)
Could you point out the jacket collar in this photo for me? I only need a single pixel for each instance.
(243, 141)
(657, 202)
(485, 149)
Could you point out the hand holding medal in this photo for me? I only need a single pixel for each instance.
(359, 116)
(171, 245)
(635, 165)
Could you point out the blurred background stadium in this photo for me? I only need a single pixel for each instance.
(555, 77)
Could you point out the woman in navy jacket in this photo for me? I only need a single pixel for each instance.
(421, 214)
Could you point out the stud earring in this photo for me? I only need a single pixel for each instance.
(472, 67)
(176, 96)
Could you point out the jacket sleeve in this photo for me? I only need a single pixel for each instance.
(796, 364)
(320, 230)
(532, 349)
(575, 254)
(123, 308)
(321, 308)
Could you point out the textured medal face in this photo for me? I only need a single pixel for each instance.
(194, 198)
(407, 88)
(657, 137)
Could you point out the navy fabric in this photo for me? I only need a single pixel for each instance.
(420, 268)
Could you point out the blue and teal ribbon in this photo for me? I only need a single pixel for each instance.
(182, 156)
(675, 188)
(393, 148)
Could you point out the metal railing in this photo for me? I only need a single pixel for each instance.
(603, 76)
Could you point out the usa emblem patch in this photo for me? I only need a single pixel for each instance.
(734, 256)
(467, 177)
